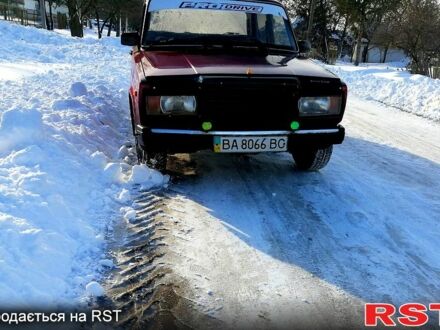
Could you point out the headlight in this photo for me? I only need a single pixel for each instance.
(318, 106)
(176, 104)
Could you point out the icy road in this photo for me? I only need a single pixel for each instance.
(248, 242)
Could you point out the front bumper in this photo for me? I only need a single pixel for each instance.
(186, 141)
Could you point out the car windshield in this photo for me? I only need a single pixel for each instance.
(216, 23)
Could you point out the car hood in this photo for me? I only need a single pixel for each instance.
(166, 63)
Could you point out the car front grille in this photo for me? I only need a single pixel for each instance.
(248, 103)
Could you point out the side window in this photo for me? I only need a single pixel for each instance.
(281, 36)
(262, 31)
(272, 30)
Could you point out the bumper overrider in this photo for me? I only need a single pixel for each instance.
(184, 141)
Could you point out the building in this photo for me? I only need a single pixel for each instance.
(27, 12)
(35, 5)
(378, 54)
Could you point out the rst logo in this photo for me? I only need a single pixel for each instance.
(411, 315)
(222, 6)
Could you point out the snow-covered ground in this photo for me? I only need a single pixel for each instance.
(251, 241)
(261, 246)
(64, 167)
(392, 85)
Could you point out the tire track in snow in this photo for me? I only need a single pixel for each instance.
(135, 283)
(143, 285)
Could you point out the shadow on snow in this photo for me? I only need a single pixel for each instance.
(367, 224)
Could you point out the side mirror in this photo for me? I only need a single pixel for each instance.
(304, 46)
(130, 39)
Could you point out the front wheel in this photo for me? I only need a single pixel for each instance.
(312, 159)
(156, 160)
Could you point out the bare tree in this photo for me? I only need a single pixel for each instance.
(386, 33)
(77, 11)
(365, 17)
(50, 24)
(108, 13)
(417, 33)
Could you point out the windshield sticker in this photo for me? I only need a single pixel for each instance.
(219, 5)
(222, 6)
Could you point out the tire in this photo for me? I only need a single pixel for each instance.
(312, 159)
(141, 154)
(156, 160)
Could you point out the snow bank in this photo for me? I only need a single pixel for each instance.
(390, 85)
(63, 174)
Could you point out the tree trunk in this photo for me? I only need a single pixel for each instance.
(50, 26)
(109, 30)
(344, 34)
(103, 25)
(365, 52)
(311, 19)
(325, 49)
(42, 4)
(385, 54)
(76, 29)
(99, 24)
(358, 49)
(118, 28)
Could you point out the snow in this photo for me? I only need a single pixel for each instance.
(392, 85)
(64, 145)
(114, 172)
(123, 152)
(95, 289)
(130, 214)
(364, 229)
(12, 71)
(107, 263)
(78, 89)
(146, 177)
(124, 196)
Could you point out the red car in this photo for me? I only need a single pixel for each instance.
(229, 76)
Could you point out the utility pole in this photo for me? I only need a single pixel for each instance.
(43, 13)
(311, 19)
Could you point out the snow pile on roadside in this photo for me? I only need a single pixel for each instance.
(64, 163)
(387, 84)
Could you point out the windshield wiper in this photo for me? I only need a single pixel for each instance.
(177, 40)
(247, 42)
(213, 41)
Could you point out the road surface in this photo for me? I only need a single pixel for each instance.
(248, 242)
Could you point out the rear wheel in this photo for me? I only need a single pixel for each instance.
(141, 154)
(156, 160)
(312, 159)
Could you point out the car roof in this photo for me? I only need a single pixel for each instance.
(273, 2)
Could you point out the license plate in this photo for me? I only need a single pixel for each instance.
(251, 144)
